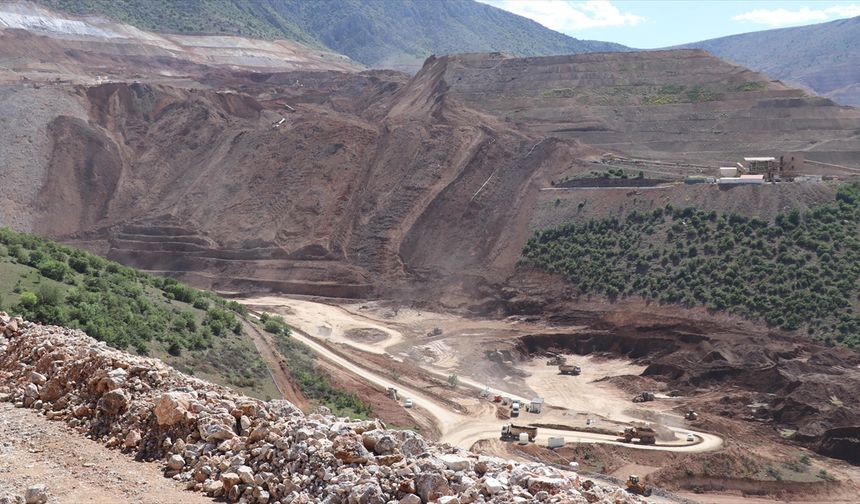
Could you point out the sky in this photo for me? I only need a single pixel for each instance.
(648, 24)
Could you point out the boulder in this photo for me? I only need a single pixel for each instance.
(172, 408)
(431, 486)
(113, 402)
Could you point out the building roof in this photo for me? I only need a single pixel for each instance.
(754, 159)
(537, 400)
(752, 176)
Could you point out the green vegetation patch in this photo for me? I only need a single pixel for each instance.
(558, 93)
(314, 384)
(752, 86)
(197, 331)
(798, 272)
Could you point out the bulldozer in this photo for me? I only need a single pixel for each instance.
(644, 397)
(646, 435)
(691, 415)
(634, 485)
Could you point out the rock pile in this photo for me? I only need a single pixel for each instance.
(245, 450)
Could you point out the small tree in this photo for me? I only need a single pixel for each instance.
(453, 379)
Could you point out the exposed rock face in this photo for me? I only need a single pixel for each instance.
(241, 449)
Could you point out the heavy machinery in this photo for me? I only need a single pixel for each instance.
(569, 370)
(644, 397)
(556, 360)
(691, 415)
(392, 393)
(634, 485)
(645, 434)
(512, 432)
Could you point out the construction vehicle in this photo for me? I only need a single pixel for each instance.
(644, 397)
(512, 432)
(645, 434)
(556, 360)
(515, 409)
(634, 485)
(392, 393)
(569, 370)
(691, 415)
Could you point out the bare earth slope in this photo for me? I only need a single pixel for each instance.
(320, 181)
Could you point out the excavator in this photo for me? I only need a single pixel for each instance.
(691, 415)
(634, 485)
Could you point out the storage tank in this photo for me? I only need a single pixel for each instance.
(524, 438)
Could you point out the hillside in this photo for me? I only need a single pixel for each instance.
(350, 184)
(799, 272)
(824, 58)
(157, 415)
(195, 330)
(377, 33)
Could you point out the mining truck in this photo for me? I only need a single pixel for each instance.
(512, 432)
(646, 435)
(569, 370)
(644, 397)
(634, 485)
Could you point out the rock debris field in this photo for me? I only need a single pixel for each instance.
(225, 445)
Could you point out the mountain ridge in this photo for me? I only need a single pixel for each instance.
(823, 58)
(399, 35)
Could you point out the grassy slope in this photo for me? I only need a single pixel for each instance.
(313, 384)
(380, 33)
(193, 330)
(799, 272)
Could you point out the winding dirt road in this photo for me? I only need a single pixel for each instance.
(481, 423)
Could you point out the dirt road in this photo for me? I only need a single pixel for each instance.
(456, 428)
(75, 469)
(272, 357)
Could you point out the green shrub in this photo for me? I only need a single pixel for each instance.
(799, 272)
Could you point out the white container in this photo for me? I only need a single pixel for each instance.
(524, 438)
(555, 442)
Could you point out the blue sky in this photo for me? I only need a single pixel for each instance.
(650, 24)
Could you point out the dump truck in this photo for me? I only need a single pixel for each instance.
(569, 370)
(644, 397)
(691, 415)
(512, 432)
(645, 434)
(556, 360)
(634, 485)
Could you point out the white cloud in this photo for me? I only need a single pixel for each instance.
(783, 17)
(568, 16)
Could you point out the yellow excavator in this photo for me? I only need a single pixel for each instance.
(634, 485)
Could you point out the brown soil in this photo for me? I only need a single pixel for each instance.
(366, 335)
(76, 469)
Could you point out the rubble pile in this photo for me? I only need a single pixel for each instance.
(245, 450)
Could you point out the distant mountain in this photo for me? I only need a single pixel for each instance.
(378, 33)
(824, 58)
